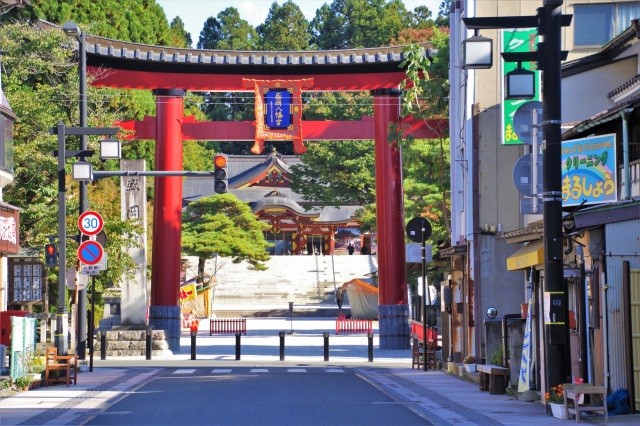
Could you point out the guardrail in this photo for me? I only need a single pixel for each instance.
(353, 325)
(228, 326)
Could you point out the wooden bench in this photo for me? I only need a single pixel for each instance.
(493, 378)
(353, 325)
(573, 391)
(228, 326)
(417, 352)
(66, 364)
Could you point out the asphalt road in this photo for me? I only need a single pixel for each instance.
(250, 396)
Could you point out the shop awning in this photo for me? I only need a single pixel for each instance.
(530, 255)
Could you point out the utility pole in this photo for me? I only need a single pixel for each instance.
(556, 330)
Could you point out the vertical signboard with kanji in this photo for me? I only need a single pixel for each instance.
(517, 40)
(589, 170)
(134, 288)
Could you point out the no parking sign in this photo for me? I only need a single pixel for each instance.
(90, 252)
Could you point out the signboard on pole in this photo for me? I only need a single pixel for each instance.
(589, 170)
(94, 269)
(90, 252)
(90, 223)
(517, 40)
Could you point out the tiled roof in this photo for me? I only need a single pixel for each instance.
(102, 46)
(243, 167)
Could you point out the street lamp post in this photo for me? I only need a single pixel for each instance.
(72, 29)
(549, 22)
(62, 131)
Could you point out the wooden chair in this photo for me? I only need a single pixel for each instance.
(66, 364)
(430, 355)
(417, 350)
(573, 391)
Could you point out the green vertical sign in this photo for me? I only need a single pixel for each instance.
(517, 40)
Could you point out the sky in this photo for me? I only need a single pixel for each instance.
(194, 13)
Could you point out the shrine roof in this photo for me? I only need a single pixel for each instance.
(142, 66)
(243, 168)
(134, 55)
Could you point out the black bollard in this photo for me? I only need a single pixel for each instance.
(281, 345)
(103, 345)
(326, 345)
(148, 337)
(370, 337)
(193, 344)
(237, 346)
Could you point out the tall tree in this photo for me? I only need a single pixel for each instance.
(360, 23)
(224, 225)
(443, 14)
(284, 29)
(228, 31)
(179, 35)
(133, 20)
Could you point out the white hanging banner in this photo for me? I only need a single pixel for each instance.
(524, 379)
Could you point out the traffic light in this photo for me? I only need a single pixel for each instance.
(50, 255)
(220, 175)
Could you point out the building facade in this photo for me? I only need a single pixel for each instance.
(496, 252)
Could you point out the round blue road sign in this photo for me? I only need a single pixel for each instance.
(90, 252)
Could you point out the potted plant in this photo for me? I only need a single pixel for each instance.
(470, 364)
(23, 382)
(555, 399)
(36, 366)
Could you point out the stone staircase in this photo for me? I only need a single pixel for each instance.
(307, 281)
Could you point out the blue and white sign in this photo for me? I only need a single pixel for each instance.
(277, 113)
(589, 170)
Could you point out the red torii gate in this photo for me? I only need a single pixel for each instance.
(170, 72)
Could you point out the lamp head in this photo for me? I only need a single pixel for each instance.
(477, 52)
(520, 83)
(70, 28)
(82, 171)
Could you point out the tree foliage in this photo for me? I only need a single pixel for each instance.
(228, 31)
(40, 80)
(224, 225)
(179, 35)
(133, 20)
(284, 29)
(336, 173)
(364, 23)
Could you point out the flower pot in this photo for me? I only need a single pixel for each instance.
(470, 368)
(558, 410)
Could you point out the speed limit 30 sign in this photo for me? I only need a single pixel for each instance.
(90, 223)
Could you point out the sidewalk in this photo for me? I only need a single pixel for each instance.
(440, 398)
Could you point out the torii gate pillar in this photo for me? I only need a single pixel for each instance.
(393, 304)
(164, 312)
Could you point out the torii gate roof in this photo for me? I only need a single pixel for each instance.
(140, 66)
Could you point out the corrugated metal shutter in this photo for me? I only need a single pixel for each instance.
(621, 243)
(635, 331)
